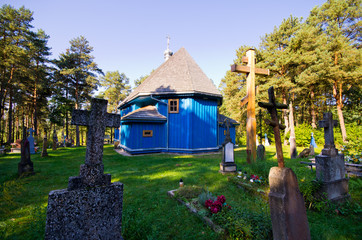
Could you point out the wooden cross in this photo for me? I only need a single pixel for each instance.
(272, 107)
(97, 119)
(250, 70)
(260, 115)
(328, 123)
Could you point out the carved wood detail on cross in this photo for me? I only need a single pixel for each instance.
(250, 70)
(272, 107)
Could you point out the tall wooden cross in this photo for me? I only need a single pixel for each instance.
(97, 119)
(272, 107)
(250, 70)
(328, 123)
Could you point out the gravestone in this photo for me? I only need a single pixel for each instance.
(266, 141)
(44, 151)
(287, 209)
(55, 140)
(228, 162)
(330, 168)
(31, 141)
(260, 150)
(251, 71)
(25, 166)
(91, 206)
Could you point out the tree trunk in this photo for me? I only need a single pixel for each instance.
(338, 98)
(286, 121)
(312, 109)
(293, 144)
(10, 117)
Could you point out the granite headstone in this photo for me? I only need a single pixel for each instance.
(330, 168)
(91, 207)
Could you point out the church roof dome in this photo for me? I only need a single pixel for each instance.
(180, 74)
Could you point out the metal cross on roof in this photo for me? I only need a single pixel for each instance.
(272, 107)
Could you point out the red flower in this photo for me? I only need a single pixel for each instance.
(214, 210)
(208, 203)
(221, 199)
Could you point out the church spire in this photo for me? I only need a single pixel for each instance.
(168, 53)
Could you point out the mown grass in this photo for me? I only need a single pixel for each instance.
(148, 213)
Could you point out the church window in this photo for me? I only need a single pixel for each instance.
(147, 133)
(173, 105)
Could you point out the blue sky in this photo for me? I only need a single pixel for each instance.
(130, 36)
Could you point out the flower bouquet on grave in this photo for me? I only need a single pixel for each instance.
(217, 205)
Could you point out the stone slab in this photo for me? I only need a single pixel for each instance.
(330, 168)
(92, 213)
(260, 152)
(15, 150)
(228, 167)
(337, 191)
(287, 209)
(229, 152)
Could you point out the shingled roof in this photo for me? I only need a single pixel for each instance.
(148, 113)
(178, 75)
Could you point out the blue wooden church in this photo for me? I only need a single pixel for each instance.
(174, 110)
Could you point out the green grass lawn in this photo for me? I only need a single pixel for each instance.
(148, 213)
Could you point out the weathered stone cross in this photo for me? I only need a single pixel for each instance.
(272, 107)
(227, 124)
(251, 70)
(97, 119)
(328, 123)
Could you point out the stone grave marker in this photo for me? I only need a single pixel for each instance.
(228, 162)
(251, 71)
(55, 140)
(330, 168)
(266, 141)
(44, 151)
(25, 166)
(260, 150)
(91, 207)
(31, 141)
(287, 209)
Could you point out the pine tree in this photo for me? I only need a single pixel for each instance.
(340, 57)
(80, 72)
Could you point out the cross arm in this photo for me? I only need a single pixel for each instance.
(244, 101)
(246, 69)
(80, 117)
(271, 105)
(113, 120)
